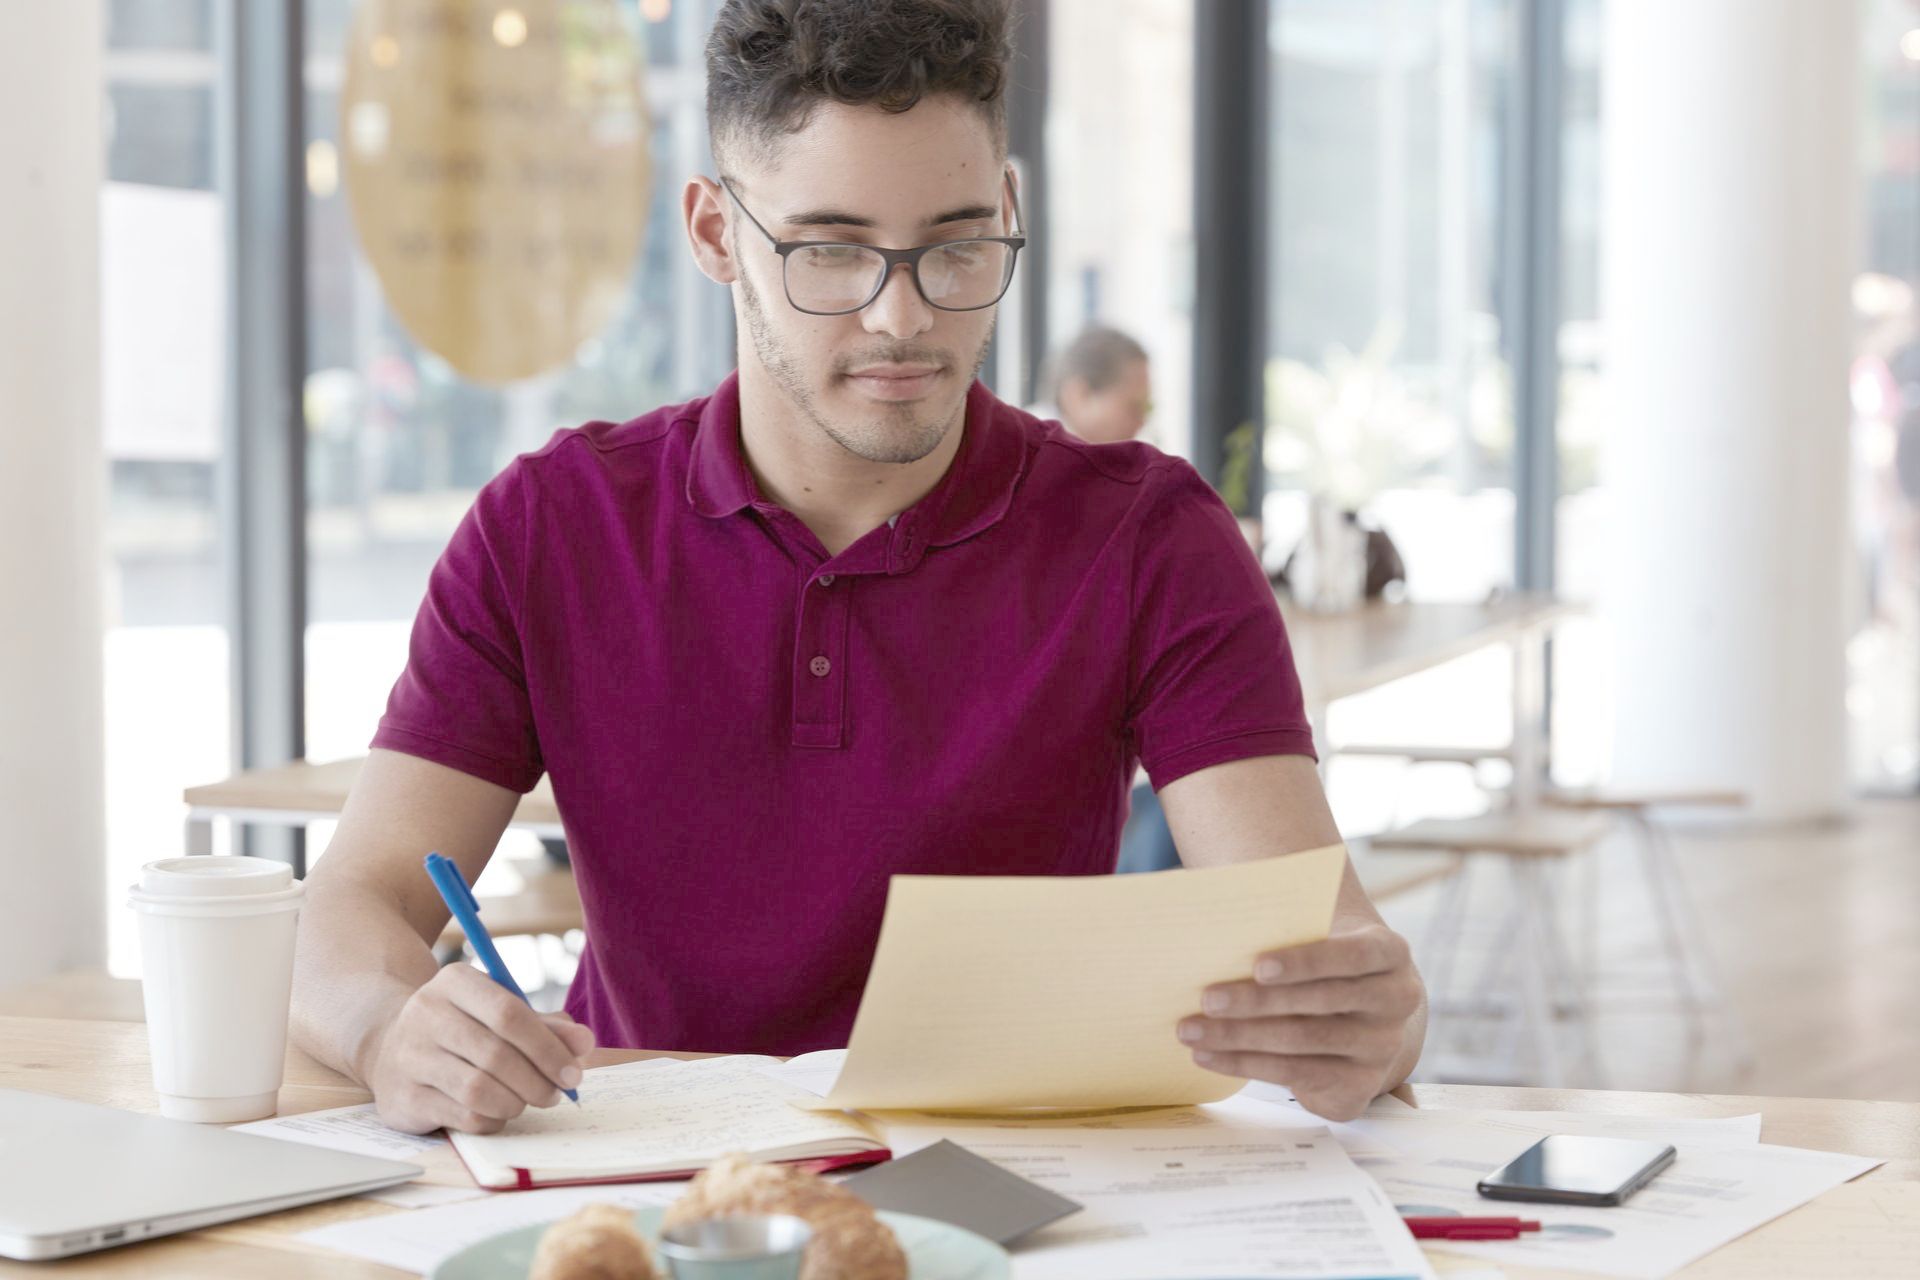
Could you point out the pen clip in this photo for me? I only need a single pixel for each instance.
(446, 872)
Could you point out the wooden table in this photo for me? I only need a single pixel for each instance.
(1867, 1229)
(303, 792)
(1342, 654)
(1354, 650)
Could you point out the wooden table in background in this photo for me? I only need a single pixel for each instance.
(1866, 1230)
(1356, 650)
(546, 900)
(302, 792)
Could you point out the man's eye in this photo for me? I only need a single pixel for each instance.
(964, 256)
(833, 255)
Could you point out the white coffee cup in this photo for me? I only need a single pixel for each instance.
(216, 939)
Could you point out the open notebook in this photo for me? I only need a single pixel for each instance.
(665, 1118)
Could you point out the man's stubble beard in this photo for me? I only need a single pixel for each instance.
(900, 434)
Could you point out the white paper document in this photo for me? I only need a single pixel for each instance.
(662, 1115)
(1439, 1134)
(1247, 1113)
(1693, 1130)
(421, 1240)
(815, 1072)
(1435, 1125)
(357, 1129)
(424, 1195)
(1187, 1193)
(1715, 1191)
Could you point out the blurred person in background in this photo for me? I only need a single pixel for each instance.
(1099, 386)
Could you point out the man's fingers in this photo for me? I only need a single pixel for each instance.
(1344, 1035)
(493, 1006)
(413, 1109)
(1373, 949)
(1296, 1071)
(450, 1114)
(1382, 994)
(1328, 1087)
(480, 1045)
(473, 1092)
(421, 1108)
(576, 1036)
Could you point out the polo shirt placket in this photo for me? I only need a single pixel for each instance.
(820, 661)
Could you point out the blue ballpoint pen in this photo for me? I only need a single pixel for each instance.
(459, 898)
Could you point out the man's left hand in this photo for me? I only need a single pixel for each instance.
(1328, 1020)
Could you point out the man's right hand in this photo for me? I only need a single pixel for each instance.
(465, 1053)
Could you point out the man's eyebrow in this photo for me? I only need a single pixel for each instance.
(842, 218)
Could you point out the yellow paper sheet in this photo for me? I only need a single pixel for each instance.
(998, 992)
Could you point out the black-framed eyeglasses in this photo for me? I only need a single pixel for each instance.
(825, 278)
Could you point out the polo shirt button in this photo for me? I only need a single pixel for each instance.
(826, 579)
(820, 666)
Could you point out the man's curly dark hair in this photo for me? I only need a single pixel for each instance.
(771, 62)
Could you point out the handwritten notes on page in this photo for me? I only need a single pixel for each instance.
(661, 1115)
(357, 1129)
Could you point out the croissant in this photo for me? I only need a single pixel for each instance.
(597, 1243)
(849, 1241)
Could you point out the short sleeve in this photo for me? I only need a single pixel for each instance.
(1210, 672)
(462, 700)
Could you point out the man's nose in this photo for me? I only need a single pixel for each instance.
(899, 311)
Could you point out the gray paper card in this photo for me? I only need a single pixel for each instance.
(951, 1184)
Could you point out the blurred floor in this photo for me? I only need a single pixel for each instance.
(1816, 933)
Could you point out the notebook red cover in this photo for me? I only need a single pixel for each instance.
(525, 1180)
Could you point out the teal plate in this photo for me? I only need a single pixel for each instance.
(935, 1251)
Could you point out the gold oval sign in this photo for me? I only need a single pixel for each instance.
(497, 166)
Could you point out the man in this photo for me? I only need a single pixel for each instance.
(1099, 387)
(847, 616)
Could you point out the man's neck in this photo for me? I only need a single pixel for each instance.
(837, 495)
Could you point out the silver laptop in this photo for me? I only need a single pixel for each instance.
(76, 1177)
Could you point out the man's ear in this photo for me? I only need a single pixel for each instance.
(703, 206)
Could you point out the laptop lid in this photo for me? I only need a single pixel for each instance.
(75, 1177)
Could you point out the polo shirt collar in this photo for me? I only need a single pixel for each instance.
(718, 482)
(978, 488)
(972, 497)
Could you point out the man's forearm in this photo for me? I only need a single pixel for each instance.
(357, 963)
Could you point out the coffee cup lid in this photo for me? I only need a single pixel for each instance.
(210, 876)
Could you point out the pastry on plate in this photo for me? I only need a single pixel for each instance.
(597, 1243)
(849, 1241)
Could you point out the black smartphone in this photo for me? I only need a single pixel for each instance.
(1566, 1168)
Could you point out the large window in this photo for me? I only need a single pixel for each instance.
(398, 441)
(163, 303)
(1120, 187)
(1883, 658)
(1389, 384)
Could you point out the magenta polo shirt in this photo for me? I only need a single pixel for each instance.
(747, 737)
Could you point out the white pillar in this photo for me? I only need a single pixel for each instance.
(52, 481)
(1729, 242)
